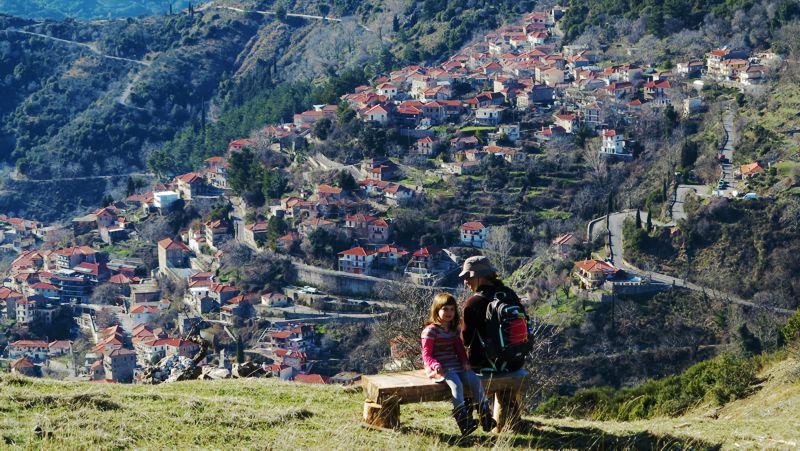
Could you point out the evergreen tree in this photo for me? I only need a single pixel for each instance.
(241, 170)
(130, 187)
(749, 344)
(639, 219)
(346, 181)
(239, 350)
(395, 24)
(649, 221)
(280, 12)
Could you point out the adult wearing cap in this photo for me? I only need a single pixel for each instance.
(481, 278)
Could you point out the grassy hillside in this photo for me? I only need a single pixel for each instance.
(268, 413)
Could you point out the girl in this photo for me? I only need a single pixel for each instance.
(446, 361)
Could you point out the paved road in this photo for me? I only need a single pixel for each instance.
(91, 47)
(614, 231)
(727, 149)
(15, 176)
(677, 211)
(272, 13)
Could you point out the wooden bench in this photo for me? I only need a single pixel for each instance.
(385, 393)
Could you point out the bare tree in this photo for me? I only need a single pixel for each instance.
(498, 247)
(107, 293)
(154, 230)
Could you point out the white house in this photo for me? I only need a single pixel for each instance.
(490, 115)
(510, 130)
(143, 314)
(377, 114)
(473, 234)
(356, 260)
(38, 350)
(163, 199)
(387, 89)
(274, 299)
(613, 143)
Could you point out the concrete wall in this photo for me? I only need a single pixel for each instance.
(343, 283)
(338, 282)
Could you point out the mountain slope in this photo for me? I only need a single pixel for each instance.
(269, 413)
(87, 9)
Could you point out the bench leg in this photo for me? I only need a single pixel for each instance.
(386, 415)
(507, 409)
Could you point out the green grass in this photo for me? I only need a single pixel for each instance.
(553, 214)
(786, 168)
(116, 250)
(477, 128)
(533, 192)
(266, 414)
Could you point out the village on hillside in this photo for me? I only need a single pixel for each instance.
(137, 293)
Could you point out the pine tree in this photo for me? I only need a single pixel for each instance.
(130, 187)
(649, 221)
(395, 24)
(639, 219)
(239, 350)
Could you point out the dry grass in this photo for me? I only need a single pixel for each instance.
(273, 414)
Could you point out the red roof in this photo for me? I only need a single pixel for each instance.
(360, 217)
(144, 309)
(311, 379)
(391, 249)
(752, 168)
(565, 239)
(191, 177)
(169, 244)
(359, 251)
(427, 251)
(23, 362)
(472, 226)
(30, 344)
(596, 265)
(609, 133)
(282, 335)
(43, 286)
(327, 189)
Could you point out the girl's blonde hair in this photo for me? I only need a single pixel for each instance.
(439, 301)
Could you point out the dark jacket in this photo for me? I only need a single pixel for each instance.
(474, 323)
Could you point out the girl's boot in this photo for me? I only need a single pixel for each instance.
(487, 421)
(464, 420)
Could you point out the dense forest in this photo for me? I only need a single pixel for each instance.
(662, 18)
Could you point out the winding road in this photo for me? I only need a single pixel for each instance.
(614, 233)
(272, 13)
(91, 47)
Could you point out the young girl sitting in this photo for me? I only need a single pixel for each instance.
(446, 361)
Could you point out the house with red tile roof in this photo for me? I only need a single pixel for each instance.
(563, 243)
(288, 241)
(26, 367)
(311, 379)
(255, 233)
(390, 256)
(592, 274)
(473, 233)
(36, 350)
(191, 184)
(749, 170)
(356, 260)
(173, 254)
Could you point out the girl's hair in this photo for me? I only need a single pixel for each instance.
(439, 301)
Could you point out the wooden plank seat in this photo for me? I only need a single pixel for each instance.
(386, 392)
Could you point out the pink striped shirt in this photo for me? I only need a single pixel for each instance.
(442, 349)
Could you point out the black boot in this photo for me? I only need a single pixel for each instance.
(465, 422)
(487, 421)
